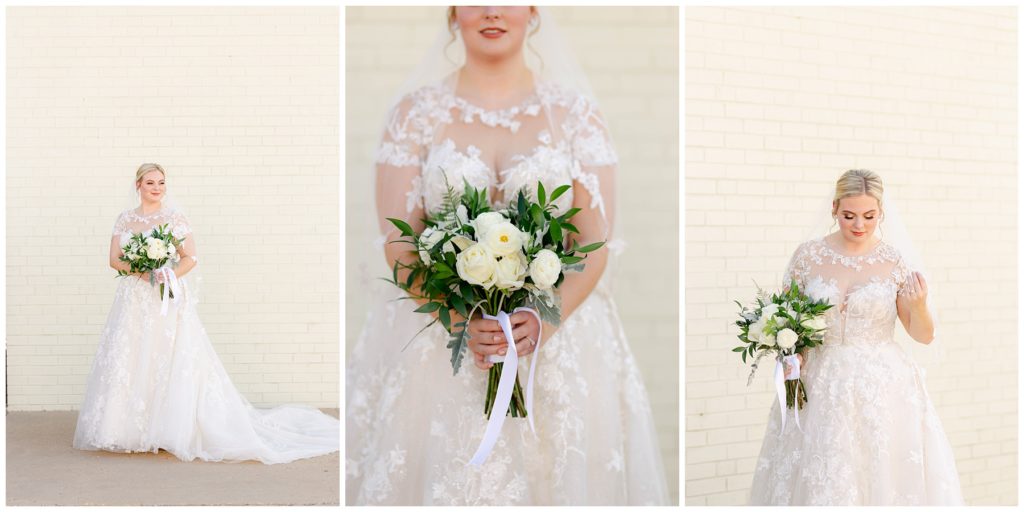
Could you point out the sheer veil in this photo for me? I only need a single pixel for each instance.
(891, 230)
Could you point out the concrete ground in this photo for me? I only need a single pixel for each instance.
(43, 469)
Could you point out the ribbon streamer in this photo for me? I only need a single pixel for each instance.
(780, 389)
(170, 285)
(505, 385)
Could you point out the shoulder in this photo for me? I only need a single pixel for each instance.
(809, 246)
(124, 216)
(422, 100)
(573, 101)
(889, 253)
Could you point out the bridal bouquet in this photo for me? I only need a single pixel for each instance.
(149, 251)
(783, 324)
(473, 258)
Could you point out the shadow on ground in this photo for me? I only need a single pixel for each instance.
(43, 469)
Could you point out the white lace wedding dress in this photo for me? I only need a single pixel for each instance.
(870, 433)
(156, 382)
(411, 425)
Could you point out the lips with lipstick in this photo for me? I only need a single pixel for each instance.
(492, 32)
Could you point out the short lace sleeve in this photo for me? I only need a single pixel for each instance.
(799, 267)
(594, 157)
(588, 135)
(180, 227)
(900, 274)
(407, 130)
(121, 224)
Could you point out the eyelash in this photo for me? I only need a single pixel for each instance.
(851, 218)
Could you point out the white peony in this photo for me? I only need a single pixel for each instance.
(511, 271)
(476, 265)
(461, 242)
(817, 323)
(545, 269)
(428, 239)
(787, 338)
(156, 248)
(486, 221)
(503, 239)
(756, 331)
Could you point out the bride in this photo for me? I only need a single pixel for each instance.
(411, 426)
(156, 382)
(870, 435)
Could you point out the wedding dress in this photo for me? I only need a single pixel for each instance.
(870, 433)
(156, 382)
(411, 426)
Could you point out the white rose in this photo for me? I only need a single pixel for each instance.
(511, 271)
(545, 269)
(428, 239)
(476, 265)
(503, 239)
(486, 221)
(769, 310)
(171, 249)
(156, 249)
(787, 338)
(817, 323)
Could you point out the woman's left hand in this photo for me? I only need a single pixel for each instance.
(161, 278)
(524, 331)
(916, 290)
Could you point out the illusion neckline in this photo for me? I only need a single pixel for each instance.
(875, 249)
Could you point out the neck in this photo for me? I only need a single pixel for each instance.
(854, 248)
(495, 81)
(150, 206)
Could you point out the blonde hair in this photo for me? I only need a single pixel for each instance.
(144, 168)
(857, 182)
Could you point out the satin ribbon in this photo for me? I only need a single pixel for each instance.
(170, 285)
(506, 384)
(780, 389)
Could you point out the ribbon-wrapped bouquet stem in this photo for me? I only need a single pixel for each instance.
(154, 251)
(472, 259)
(783, 324)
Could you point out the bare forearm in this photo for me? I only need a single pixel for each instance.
(578, 285)
(921, 327)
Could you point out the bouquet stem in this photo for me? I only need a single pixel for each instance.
(795, 393)
(517, 407)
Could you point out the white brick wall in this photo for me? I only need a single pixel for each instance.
(631, 57)
(240, 106)
(779, 101)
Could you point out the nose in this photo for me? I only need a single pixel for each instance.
(492, 12)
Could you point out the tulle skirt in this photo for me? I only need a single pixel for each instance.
(411, 426)
(157, 383)
(870, 436)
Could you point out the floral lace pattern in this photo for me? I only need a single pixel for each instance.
(567, 138)
(156, 383)
(870, 433)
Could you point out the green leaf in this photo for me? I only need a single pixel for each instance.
(429, 307)
(446, 319)
(739, 349)
(569, 260)
(568, 227)
(592, 247)
(558, 192)
(402, 226)
(457, 343)
(541, 196)
(459, 304)
(568, 215)
(556, 231)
